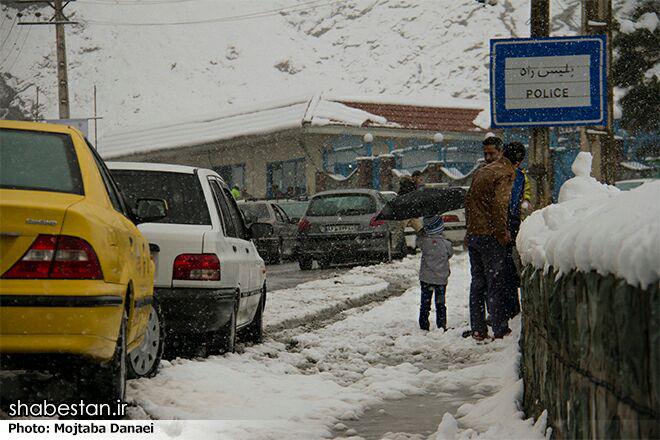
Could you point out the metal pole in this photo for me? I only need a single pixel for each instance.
(36, 110)
(95, 121)
(62, 79)
(540, 169)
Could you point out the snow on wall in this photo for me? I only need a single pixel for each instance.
(596, 227)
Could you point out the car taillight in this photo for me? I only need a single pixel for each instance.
(449, 218)
(304, 225)
(200, 267)
(58, 257)
(374, 223)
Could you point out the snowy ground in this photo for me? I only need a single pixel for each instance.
(341, 379)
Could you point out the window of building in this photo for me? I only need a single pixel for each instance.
(286, 179)
(232, 174)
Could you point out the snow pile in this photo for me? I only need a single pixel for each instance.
(596, 227)
(318, 298)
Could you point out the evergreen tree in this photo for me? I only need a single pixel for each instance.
(637, 52)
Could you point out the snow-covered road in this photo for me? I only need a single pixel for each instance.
(365, 360)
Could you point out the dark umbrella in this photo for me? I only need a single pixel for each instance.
(423, 202)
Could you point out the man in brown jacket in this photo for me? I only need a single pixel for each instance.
(486, 210)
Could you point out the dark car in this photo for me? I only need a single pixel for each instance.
(295, 209)
(282, 242)
(340, 227)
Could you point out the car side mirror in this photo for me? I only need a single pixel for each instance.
(294, 220)
(261, 230)
(150, 210)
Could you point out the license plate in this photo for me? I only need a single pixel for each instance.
(341, 228)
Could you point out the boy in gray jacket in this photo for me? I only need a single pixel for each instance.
(434, 271)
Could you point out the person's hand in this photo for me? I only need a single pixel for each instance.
(526, 206)
(504, 240)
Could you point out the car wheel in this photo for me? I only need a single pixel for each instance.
(224, 340)
(107, 381)
(144, 360)
(305, 263)
(254, 332)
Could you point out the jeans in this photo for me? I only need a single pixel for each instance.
(488, 260)
(425, 307)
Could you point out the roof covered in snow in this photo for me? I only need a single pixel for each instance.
(282, 115)
(418, 117)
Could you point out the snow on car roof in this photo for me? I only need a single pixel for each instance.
(145, 166)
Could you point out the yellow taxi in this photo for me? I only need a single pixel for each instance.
(76, 275)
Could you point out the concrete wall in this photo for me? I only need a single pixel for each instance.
(591, 354)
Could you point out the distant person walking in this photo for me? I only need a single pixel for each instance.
(406, 185)
(434, 271)
(418, 179)
(486, 211)
(236, 192)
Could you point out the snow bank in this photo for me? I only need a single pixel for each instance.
(596, 227)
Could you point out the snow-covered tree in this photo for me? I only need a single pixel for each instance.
(636, 67)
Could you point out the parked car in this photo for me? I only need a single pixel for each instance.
(455, 227)
(295, 209)
(282, 242)
(77, 278)
(627, 185)
(409, 232)
(210, 279)
(339, 226)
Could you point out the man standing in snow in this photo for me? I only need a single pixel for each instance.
(486, 212)
(434, 271)
(492, 147)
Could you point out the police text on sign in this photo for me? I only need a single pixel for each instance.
(546, 82)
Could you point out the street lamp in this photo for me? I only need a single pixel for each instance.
(437, 141)
(367, 139)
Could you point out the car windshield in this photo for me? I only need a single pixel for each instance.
(22, 164)
(186, 204)
(294, 209)
(257, 211)
(341, 204)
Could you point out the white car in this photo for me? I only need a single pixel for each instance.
(210, 280)
(627, 185)
(455, 228)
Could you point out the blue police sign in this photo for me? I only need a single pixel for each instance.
(554, 81)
